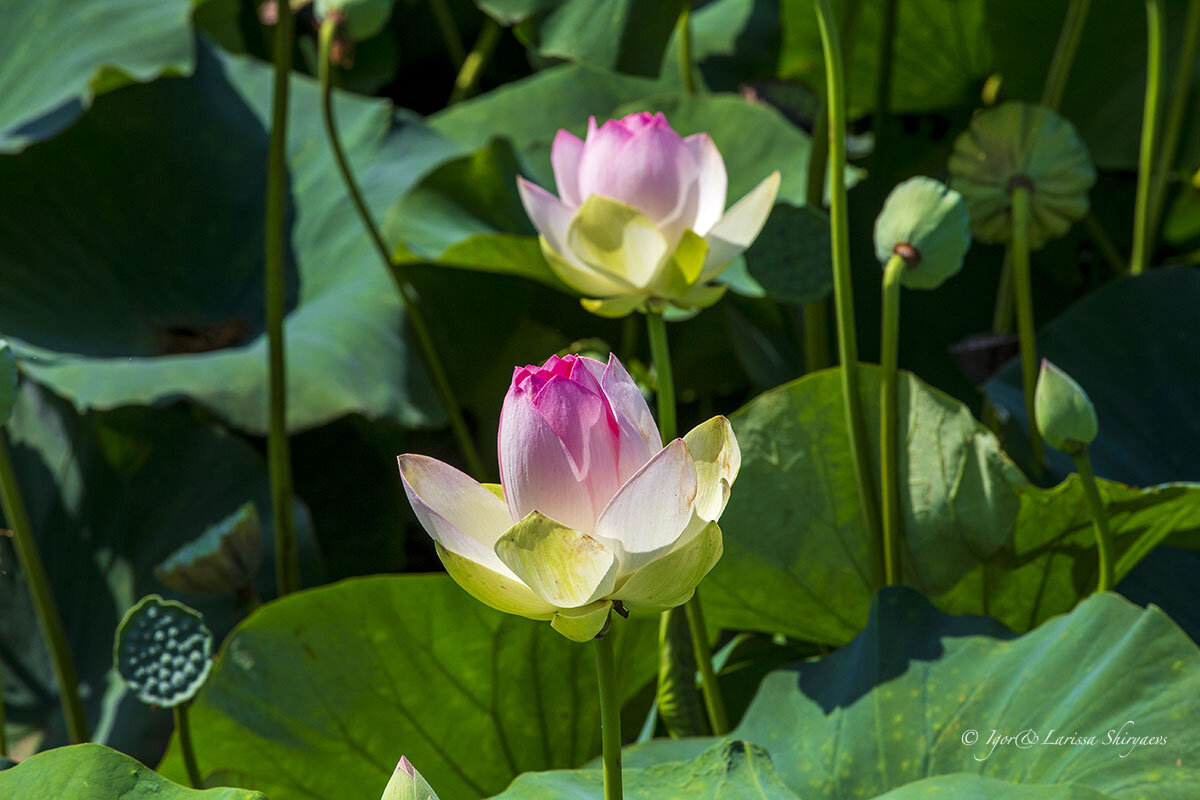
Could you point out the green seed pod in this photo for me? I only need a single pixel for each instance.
(364, 18)
(1065, 415)
(1027, 144)
(221, 560)
(163, 651)
(926, 223)
(8, 381)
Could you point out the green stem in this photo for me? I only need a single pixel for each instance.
(287, 562)
(1023, 292)
(843, 288)
(1156, 29)
(1003, 314)
(1064, 53)
(43, 601)
(883, 75)
(889, 460)
(661, 355)
(1091, 493)
(685, 48)
(450, 35)
(816, 335)
(610, 716)
(1104, 243)
(467, 81)
(816, 313)
(714, 703)
(186, 748)
(433, 362)
(1176, 113)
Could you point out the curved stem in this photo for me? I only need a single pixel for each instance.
(714, 703)
(416, 319)
(467, 81)
(843, 288)
(1023, 292)
(287, 561)
(1064, 53)
(1176, 113)
(610, 716)
(1091, 493)
(685, 48)
(660, 355)
(43, 600)
(1156, 29)
(889, 454)
(186, 748)
(449, 29)
(883, 75)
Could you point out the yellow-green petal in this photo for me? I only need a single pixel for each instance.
(493, 589)
(681, 271)
(562, 566)
(717, 458)
(616, 240)
(582, 624)
(671, 580)
(613, 307)
(700, 297)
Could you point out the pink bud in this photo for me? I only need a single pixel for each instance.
(406, 766)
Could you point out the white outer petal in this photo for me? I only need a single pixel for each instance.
(714, 182)
(738, 229)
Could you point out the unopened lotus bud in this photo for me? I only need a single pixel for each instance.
(407, 784)
(221, 560)
(1065, 415)
(363, 18)
(926, 223)
(8, 381)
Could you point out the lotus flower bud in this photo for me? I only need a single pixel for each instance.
(364, 18)
(1065, 415)
(640, 221)
(1019, 143)
(221, 560)
(592, 508)
(407, 784)
(926, 223)
(8, 381)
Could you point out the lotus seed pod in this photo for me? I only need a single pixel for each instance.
(1065, 415)
(221, 560)
(407, 784)
(8, 381)
(1019, 143)
(927, 223)
(364, 18)
(163, 651)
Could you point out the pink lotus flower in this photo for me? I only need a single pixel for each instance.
(640, 217)
(591, 509)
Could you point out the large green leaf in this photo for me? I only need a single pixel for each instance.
(1134, 334)
(58, 54)
(94, 772)
(978, 537)
(907, 710)
(110, 496)
(131, 253)
(318, 695)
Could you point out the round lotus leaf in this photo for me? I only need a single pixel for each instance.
(221, 560)
(364, 18)
(8, 381)
(1030, 144)
(163, 651)
(930, 222)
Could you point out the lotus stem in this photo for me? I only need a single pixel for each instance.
(1176, 113)
(883, 76)
(889, 459)
(186, 748)
(1104, 546)
(1156, 30)
(685, 48)
(843, 289)
(43, 600)
(610, 716)
(287, 561)
(433, 362)
(1064, 53)
(816, 313)
(1023, 291)
(661, 356)
(467, 81)
(450, 35)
